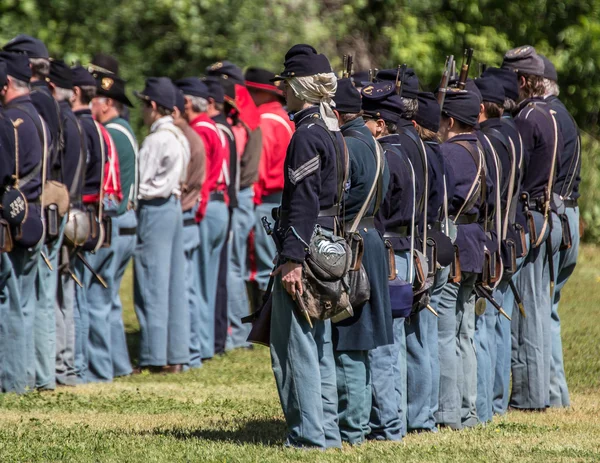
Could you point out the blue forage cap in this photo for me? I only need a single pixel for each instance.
(61, 74)
(508, 79)
(524, 60)
(160, 90)
(462, 105)
(347, 98)
(30, 46)
(193, 86)
(491, 89)
(17, 65)
(215, 89)
(379, 100)
(549, 69)
(410, 84)
(360, 78)
(428, 113)
(303, 60)
(179, 100)
(226, 70)
(82, 77)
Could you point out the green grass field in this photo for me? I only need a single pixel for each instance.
(228, 411)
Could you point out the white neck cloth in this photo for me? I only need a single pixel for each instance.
(318, 89)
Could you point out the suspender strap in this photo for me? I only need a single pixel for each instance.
(40, 127)
(549, 115)
(423, 200)
(74, 191)
(479, 182)
(574, 166)
(377, 152)
(376, 185)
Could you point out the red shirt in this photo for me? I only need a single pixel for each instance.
(277, 131)
(217, 157)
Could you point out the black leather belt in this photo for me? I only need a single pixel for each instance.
(570, 202)
(396, 232)
(127, 231)
(111, 214)
(189, 222)
(366, 223)
(466, 219)
(330, 211)
(217, 196)
(536, 204)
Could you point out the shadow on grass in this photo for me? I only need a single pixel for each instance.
(270, 432)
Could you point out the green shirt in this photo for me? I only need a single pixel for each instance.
(127, 161)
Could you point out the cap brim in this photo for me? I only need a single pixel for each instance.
(141, 96)
(264, 87)
(276, 78)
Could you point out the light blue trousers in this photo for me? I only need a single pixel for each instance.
(213, 232)
(242, 223)
(388, 377)
(13, 374)
(458, 364)
(45, 316)
(81, 316)
(441, 278)
(106, 344)
(531, 335)
(420, 333)
(191, 247)
(486, 350)
(124, 246)
(25, 266)
(501, 384)
(564, 262)
(354, 394)
(264, 246)
(305, 373)
(66, 325)
(159, 284)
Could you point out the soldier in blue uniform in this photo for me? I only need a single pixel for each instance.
(71, 164)
(97, 343)
(46, 282)
(427, 124)
(456, 326)
(514, 226)
(395, 220)
(418, 374)
(542, 139)
(110, 263)
(371, 325)
(499, 165)
(566, 190)
(20, 366)
(302, 357)
(12, 375)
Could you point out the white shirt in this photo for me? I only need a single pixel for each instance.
(163, 160)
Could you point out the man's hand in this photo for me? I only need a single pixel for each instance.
(291, 277)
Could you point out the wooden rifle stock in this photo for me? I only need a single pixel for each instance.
(464, 70)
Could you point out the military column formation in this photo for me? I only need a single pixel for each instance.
(407, 299)
(401, 251)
